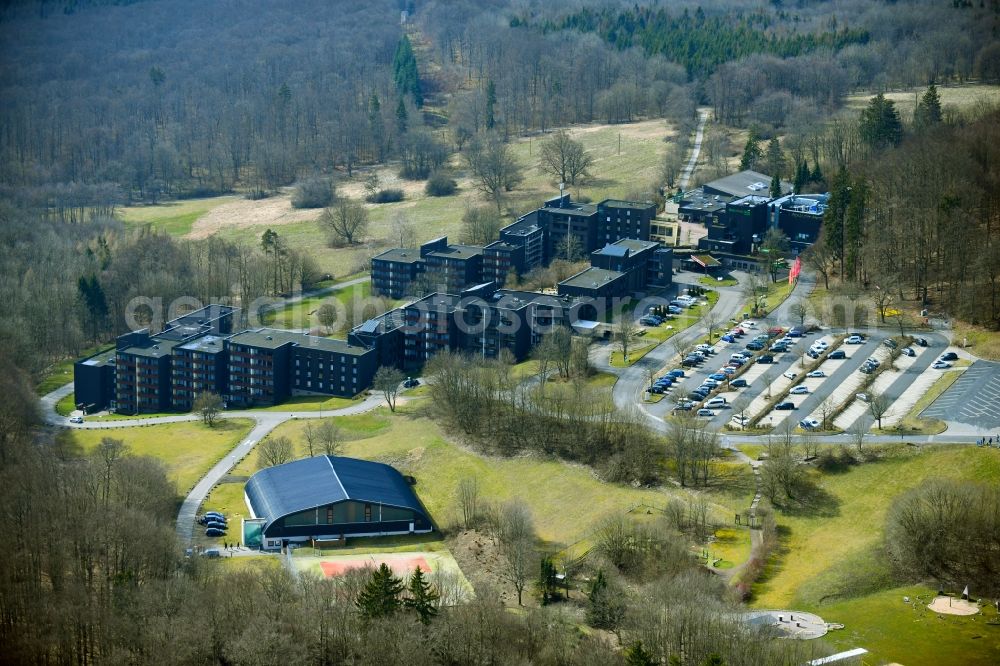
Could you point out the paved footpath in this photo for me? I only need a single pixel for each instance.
(265, 422)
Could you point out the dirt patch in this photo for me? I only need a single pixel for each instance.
(400, 565)
(388, 180)
(949, 606)
(480, 560)
(273, 211)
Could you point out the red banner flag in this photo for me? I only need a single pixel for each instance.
(796, 269)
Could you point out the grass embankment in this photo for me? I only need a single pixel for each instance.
(310, 403)
(416, 446)
(66, 405)
(654, 337)
(188, 450)
(981, 342)
(829, 559)
(173, 217)
(709, 281)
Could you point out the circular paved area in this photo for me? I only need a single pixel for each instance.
(949, 606)
(790, 624)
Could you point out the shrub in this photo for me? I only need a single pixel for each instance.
(315, 192)
(385, 196)
(440, 184)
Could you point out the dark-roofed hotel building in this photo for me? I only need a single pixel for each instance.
(328, 497)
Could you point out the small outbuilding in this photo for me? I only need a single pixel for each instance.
(329, 497)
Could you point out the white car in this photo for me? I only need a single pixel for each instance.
(748, 324)
(816, 373)
(789, 374)
(809, 424)
(941, 365)
(707, 413)
(822, 344)
(854, 340)
(716, 402)
(799, 390)
(76, 419)
(710, 383)
(863, 397)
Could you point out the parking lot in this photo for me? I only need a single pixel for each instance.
(974, 399)
(841, 381)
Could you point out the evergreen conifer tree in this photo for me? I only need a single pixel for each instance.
(422, 597)
(380, 597)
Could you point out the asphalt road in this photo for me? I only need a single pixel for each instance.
(974, 399)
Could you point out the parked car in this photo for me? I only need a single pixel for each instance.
(673, 309)
(941, 365)
(789, 374)
(775, 331)
(728, 338)
(76, 419)
(214, 532)
(949, 356)
(755, 346)
(809, 424)
(711, 383)
(675, 373)
(765, 358)
(696, 396)
(690, 362)
(728, 370)
(816, 373)
(717, 376)
(873, 361)
(411, 382)
(854, 340)
(922, 342)
(796, 332)
(659, 390)
(822, 345)
(863, 397)
(835, 354)
(785, 406)
(779, 348)
(813, 353)
(649, 321)
(706, 413)
(749, 323)
(799, 390)
(738, 383)
(741, 420)
(685, 404)
(717, 401)
(908, 351)
(866, 369)
(215, 525)
(890, 343)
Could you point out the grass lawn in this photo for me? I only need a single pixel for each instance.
(961, 96)
(188, 449)
(826, 557)
(302, 314)
(714, 282)
(61, 373)
(731, 544)
(308, 403)
(66, 405)
(174, 217)
(601, 380)
(894, 631)
(416, 446)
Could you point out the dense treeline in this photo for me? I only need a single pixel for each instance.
(698, 42)
(915, 210)
(64, 287)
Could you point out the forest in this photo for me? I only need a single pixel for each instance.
(108, 103)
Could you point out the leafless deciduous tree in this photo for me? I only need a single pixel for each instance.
(274, 451)
(517, 545)
(878, 406)
(344, 223)
(209, 405)
(494, 167)
(388, 380)
(625, 332)
(565, 159)
(468, 501)
(329, 438)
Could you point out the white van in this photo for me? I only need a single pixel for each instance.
(716, 402)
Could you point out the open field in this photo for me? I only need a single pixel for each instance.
(829, 560)
(302, 314)
(957, 96)
(308, 403)
(815, 545)
(909, 633)
(615, 175)
(174, 217)
(188, 450)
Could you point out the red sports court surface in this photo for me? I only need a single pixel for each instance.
(401, 565)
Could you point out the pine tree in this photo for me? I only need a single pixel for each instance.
(853, 228)
(547, 581)
(775, 158)
(404, 71)
(880, 125)
(928, 111)
(834, 217)
(801, 176)
(751, 153)
(636, 655)
(380, 597)
(817, 174)
(422, 597)
(775, 186)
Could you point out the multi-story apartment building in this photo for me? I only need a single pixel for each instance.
(501, 260)
(394, 272)
(198, 366)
